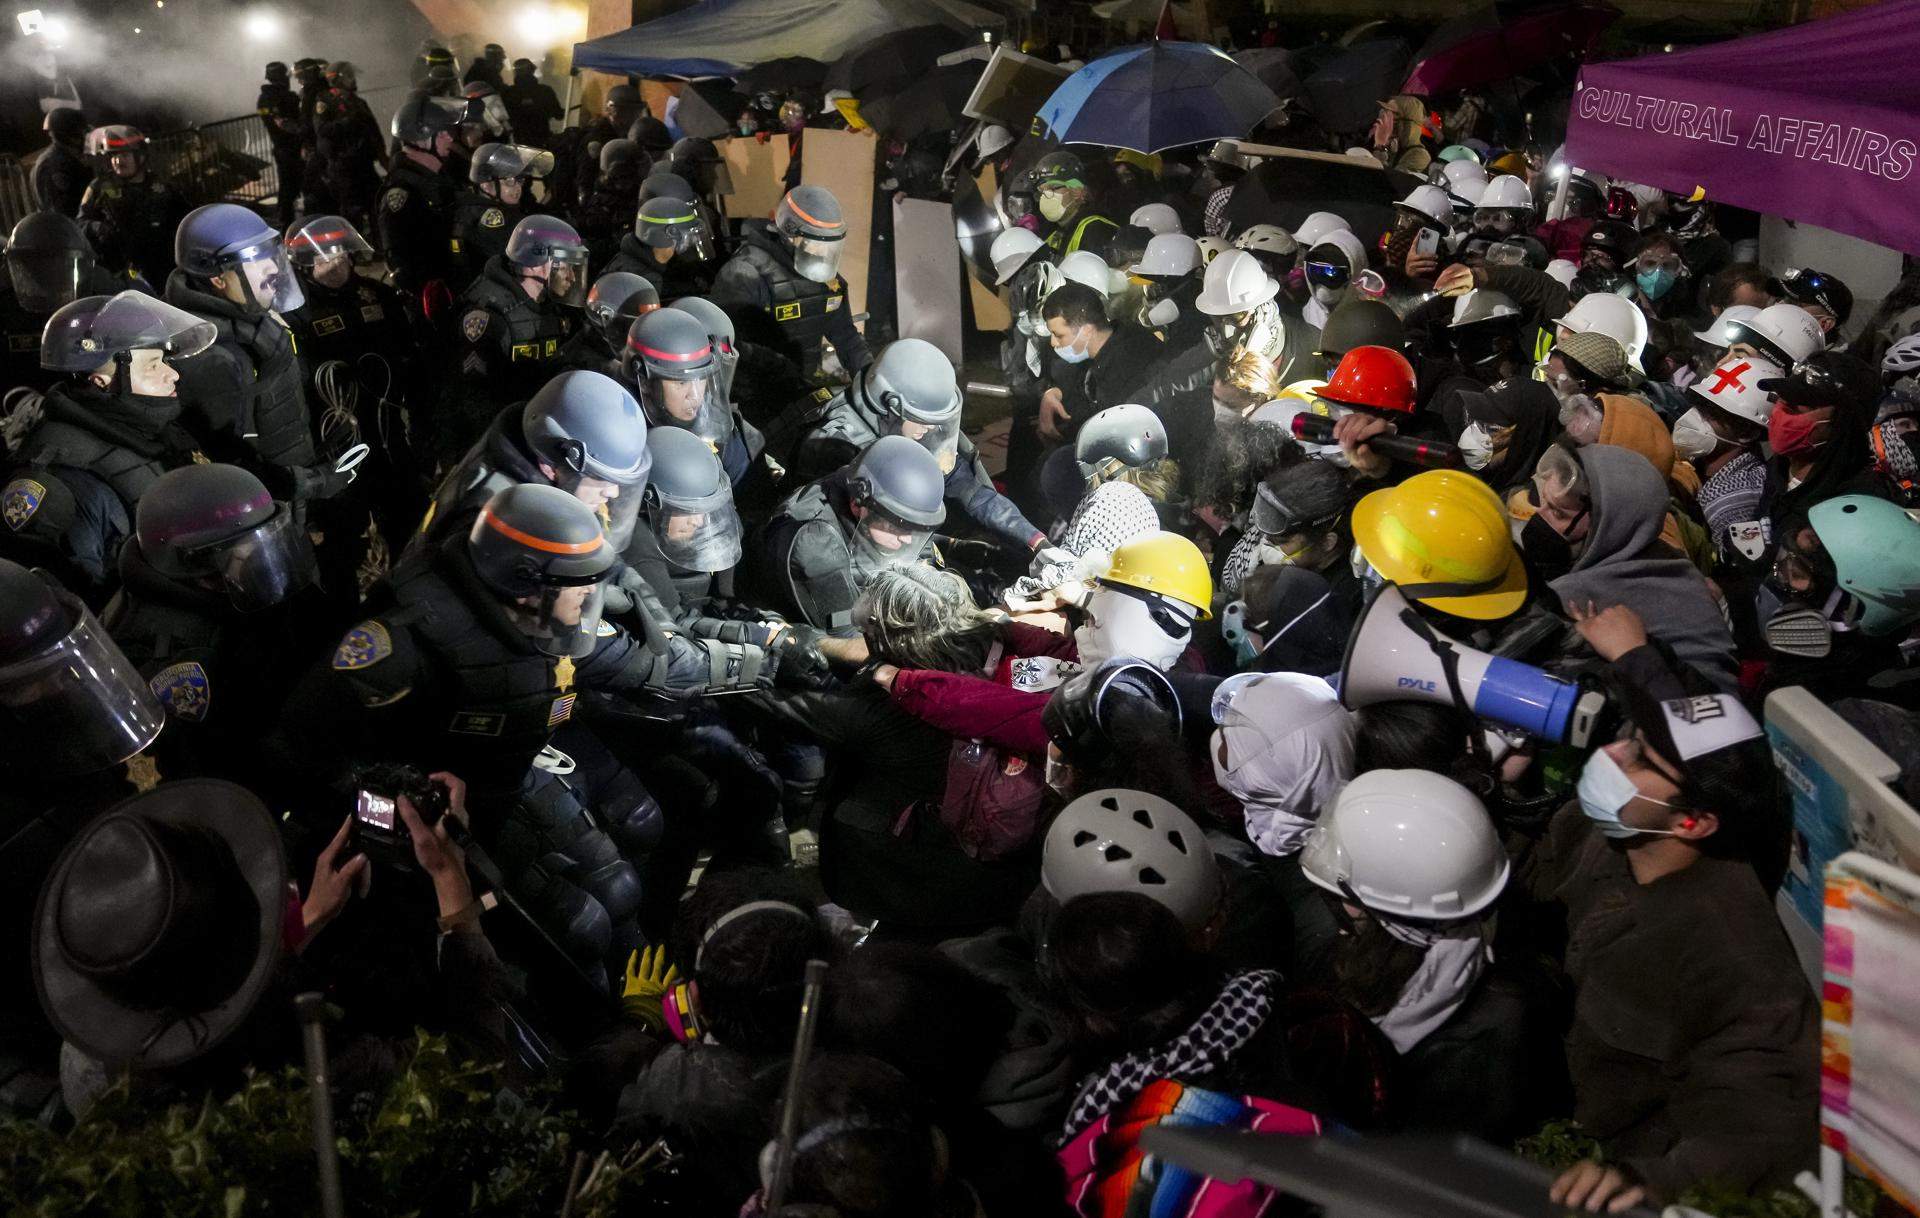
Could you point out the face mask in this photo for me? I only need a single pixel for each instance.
(1605, 790)
(1073, 353)
(1657, 282)
(1550, 553)
(1328, 297)
(1476, 446)
(1121, 625)
(1052, 206)
(1163, 313)
(1692, 438)
(1793, 433)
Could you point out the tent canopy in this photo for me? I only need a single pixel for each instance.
(1815, 122)
(725, 37)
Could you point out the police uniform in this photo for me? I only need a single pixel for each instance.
(20, 330)
(509, 346)
(279, 108)
(760, 274)
(827, 430)
(805, 566)
(481, 227)
(348, 142)
(60, 179)
(415, 224)
(679, 276)
(131, 224)
(68, 491)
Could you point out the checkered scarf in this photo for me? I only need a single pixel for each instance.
(1212, 1040)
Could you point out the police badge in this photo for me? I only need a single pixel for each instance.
(364, 646)
(474, 324)
(183, 690)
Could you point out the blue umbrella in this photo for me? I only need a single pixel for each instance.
(1157, 96)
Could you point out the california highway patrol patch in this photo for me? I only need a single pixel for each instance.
(365, 645)
(474, 324)
(20, 501)
(493, 217)
(183, 690)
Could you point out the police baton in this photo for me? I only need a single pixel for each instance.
(1433, 454)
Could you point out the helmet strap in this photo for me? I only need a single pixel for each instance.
(122, 374)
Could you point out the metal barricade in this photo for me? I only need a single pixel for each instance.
(230, 161)
(16, 192)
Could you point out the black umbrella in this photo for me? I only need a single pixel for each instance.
(1272, 67)
(892, 61)
(1284, 190)
(786, 72)
(927, 104)
(1346, 90)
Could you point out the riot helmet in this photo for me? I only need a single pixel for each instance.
(47, 259)
(616, 299)
(669, 361)
(232, 244)
(673, 226)
(810, 220)
(899, 496)
(542, 552)
(587, 429)
(422, 119)
(217, 525)
(123, 148)
(665, 184)
(914, 391)
(689, 502)
(1117, 439)
(726, 352)
(136, 333)
(552, 247)
(699, 161)
(325, 248)
(507, 168)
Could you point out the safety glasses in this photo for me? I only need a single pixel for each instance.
(1328, 274)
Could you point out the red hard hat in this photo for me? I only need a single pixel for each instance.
(1374, 378)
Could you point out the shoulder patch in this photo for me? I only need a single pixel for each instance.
(823, 395)
(605, 629)
(183, 690)
(493, 217)
(394, 199)
(474, 324)
(20, 501)
(364, 646)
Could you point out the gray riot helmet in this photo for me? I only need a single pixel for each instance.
(206, 523)
(665, 184)
(47, 259)
(218, 239)
(699, 161)
(70, 701)
(810, 220)
(320, 239)
(1116, 439)
(670, 224)
(551, 242)
(421, 118)
(913, 388)
(498, 162)
(96, 330)
(690, 503)
(720, 332)
(669, 360)
(623, 155)
(616, 299)
(901, 490)
(543, 553)
(586, 425)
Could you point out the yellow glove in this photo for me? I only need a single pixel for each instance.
(648, 977)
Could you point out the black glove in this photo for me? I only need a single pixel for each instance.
(798, 664)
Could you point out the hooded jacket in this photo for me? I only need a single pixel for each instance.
(1284, 750)
(1625, 563)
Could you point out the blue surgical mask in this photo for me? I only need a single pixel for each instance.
(1073, 353)
(1605, 790)
(1657, 282)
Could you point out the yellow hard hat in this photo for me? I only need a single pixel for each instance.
(1442, 537)
(1165, 564)
(1306, 391)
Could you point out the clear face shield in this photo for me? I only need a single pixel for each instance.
(942, 439)
(326, 248)
(266, 278)
(694, 404)
(567, 276)
(714, 178)
(44, 280)
(882, 540)
(816, 258)
(266, 565)
(693, 241)
(562, 620)
(78, 705)
(703, 535)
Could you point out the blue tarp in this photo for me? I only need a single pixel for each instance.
(726, 37)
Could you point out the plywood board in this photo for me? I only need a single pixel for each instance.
(759, 174)
(842, 161)
(926, 273)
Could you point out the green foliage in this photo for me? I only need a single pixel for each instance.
(443, 1139)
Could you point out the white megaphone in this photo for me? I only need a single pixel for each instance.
(1393, 654)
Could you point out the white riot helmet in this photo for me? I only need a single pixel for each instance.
(1084, 266)
(1785, 333)
(1314, 229)
(1129, 841)
(1728, 328)
(1266, 239)
(1156, 218)
(1734, 386)
(1614, 316)
(1431, 203)
(1408, 844)
(1170, 255)
(1010, 251)
(1212, 247)
(1235, 283)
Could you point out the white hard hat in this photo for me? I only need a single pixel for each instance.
(1481, 304)
(1169, 254)
(1156, 218)
(1506, 191)
(1410, 844)
(993, 139)
(1787, 331)
(1614, 316)
(1130, 841)
(1734, 386)
(1726, 328)
(1314, 229)
(1431, 202)
(1085, 266)
(1266, 238)
(1235, 283)
(1563, 271)
(1212, 247)
(1459, 173)
(1010, 251)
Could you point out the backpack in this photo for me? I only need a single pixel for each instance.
(992, 799)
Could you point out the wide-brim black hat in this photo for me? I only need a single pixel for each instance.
(132, 863)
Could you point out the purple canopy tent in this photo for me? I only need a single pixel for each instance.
(1818, 122)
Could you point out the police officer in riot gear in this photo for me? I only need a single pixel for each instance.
(49, 264)
(130, 217)
(531, 105)
(671, 363)
(631, 253)
(279, 108)
(247, 394)
(82, 457)
(699, 161)
(828, 541)
(513, 321)
(416, 206)
(909, 391)
(790, 270)
(679, 247)
(492, 62)
(740, 455)
(347, 147)
(61, 174)
(622, 106)
(615, 301)
(604, 216)
(211, 589)
(484, 217)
